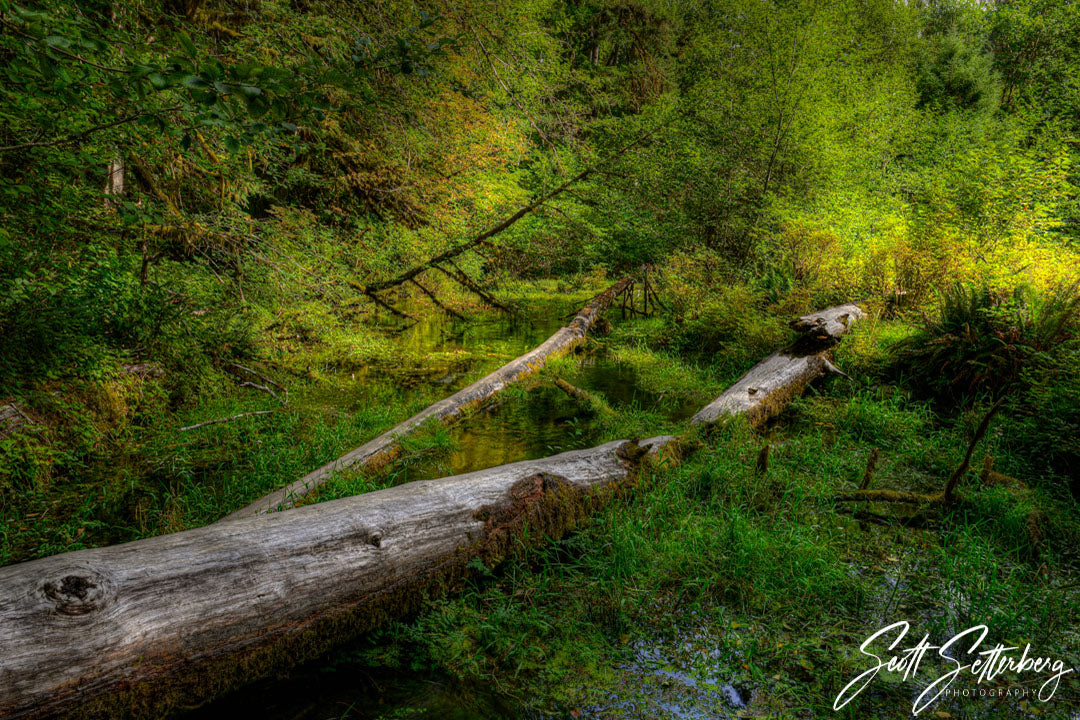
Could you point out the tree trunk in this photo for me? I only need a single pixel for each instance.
(384, 448)
(830, 323)
(144, 627)
(774, 382)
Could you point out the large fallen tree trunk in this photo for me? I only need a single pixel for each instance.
(141, 628)
(771, 384)
(384, 448)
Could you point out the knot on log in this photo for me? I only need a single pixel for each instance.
(77, 593)
(632, 452)
(547, 503)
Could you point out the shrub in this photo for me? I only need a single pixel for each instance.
(980, 341)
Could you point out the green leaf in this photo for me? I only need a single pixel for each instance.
(194, 82)
(57, 41)
(186, 44)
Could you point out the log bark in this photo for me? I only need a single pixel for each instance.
(384, 448)
(769, 386)
(140, 628)
(829, 323)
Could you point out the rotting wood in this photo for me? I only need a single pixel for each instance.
(770, 385)
(382, 449)
(140, 628)
(590, 400)
(829, 323)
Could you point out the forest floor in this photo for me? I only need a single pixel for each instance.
(712, 589)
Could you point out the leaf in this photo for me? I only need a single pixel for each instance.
(57, 41)
(232, 144)
(186, 44)
(194, 82)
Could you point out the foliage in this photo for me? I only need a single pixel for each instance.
(980, 342)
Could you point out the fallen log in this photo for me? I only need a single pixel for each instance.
(381, 450)
(593, 402)
(771, 384)
(829, 323)
(141, 628)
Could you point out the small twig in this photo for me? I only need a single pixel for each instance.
(225, 419)
(259, 375)
(265, 388)
(871, 465)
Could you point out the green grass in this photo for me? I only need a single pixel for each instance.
(765, 577)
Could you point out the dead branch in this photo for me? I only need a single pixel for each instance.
(958, 474)
(431, 296)
(458, 275)
(265, 388)
(461, 248)
(225, 419)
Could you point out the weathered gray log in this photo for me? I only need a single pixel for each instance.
(769, 386)
(12, 419)
(381, 450)
(139, 628)
(829, 323)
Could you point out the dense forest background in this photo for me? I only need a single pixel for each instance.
(181, 175)
(193, 186)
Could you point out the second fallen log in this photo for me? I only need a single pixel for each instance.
(382, 449)
(775, 381)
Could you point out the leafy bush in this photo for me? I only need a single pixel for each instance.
(980, 341)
